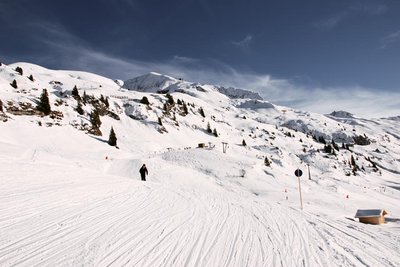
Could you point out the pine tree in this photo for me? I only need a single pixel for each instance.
(215, 133)
(44, 103)
(267, 162)
(1, 106)
(354, 170)
(160, 121)
(145, 101)
(79, 107)
(334, 145)
(85, 98)
(170, 100)
(166, 108)
(201, 111)
(31, 78)
(321, 139)
(328, 148)
(102, 98)
(244, 143)
(14, 84)
(352, 161)
(209, 128)
(75, 93)
(112, 140)
(95, 119)
(354, 164)
(185, 109)
(19, 70)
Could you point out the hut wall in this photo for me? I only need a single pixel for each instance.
(373, 220)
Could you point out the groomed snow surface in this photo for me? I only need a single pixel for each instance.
(67, 198)
(67, 205)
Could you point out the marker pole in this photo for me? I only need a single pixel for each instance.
(301, 198)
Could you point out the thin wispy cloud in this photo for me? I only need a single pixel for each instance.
(244, 43)
(390, 39)
(332, 21)
(371, 9)
(74, 53)
(367, 9)
(363, 102)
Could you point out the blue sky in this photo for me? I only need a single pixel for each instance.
(317, 55)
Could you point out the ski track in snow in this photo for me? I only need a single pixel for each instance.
(148, 224)
(69, 199)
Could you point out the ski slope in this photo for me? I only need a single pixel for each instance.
(69, 199)
(57, 211)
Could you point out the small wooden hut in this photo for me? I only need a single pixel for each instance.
(374, 216)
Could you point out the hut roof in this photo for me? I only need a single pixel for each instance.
(370, 213)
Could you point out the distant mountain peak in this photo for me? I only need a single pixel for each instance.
(149, 82)
(156, 82)
(341, 114)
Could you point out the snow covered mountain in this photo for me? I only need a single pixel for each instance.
(68, 198)
(158, 83)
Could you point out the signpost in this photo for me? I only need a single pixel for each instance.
(299, 173)
(224, 145)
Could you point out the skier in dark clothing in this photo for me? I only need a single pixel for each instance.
(143, 172)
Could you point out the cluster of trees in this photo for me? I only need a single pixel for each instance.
(20, 72)
(169, 104)
(183, 107)
(373, 164)
(361, 140)
(43, 105)
(320, 139)
(214, 132)
(331, 148)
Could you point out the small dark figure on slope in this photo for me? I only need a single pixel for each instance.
(143, 172)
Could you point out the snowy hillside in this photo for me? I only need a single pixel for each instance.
(68, 198)
(155, 82)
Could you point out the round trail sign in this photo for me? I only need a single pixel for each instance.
(298, 173)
